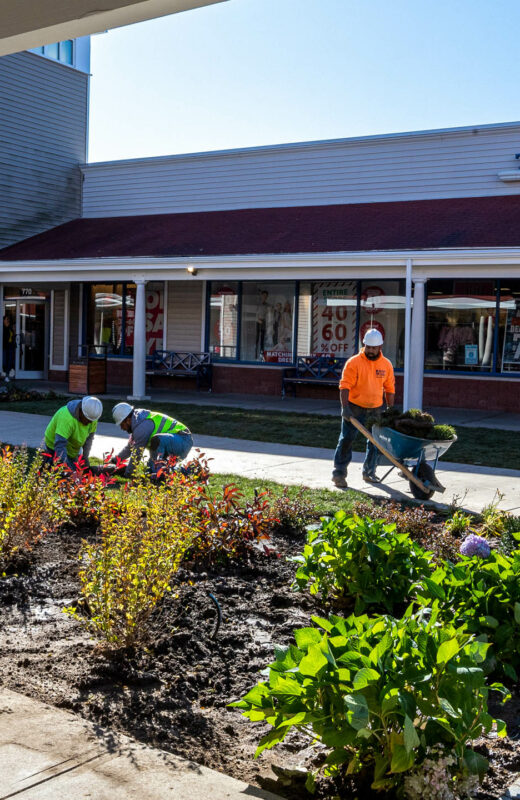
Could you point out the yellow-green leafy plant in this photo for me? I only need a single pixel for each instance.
(494, 520)
(142, 541)
(29, 505)
(458, 524)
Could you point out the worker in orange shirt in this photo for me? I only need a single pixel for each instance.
(366, 378)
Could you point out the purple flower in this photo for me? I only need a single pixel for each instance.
(474, 545)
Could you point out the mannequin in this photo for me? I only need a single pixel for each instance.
(452, 336)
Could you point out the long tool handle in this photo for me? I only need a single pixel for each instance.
(389, 456)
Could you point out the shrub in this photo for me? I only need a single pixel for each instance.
(142, 543)
(82, 494)
(417, 521)
(484, 594)
(29, 505)
(292, 514)
(362, 559)
(228, 529)
(379, 693)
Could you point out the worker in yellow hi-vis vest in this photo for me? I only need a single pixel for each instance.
(70, 432)
(163, 436)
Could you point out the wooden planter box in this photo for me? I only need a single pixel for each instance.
(88, 375)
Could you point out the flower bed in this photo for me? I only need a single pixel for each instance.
(174, 691)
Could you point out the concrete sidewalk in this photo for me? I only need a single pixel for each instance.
(48, 754)
(475, 487)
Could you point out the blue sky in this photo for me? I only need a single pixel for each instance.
(253, 72)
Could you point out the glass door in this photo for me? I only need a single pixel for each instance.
(30, 339)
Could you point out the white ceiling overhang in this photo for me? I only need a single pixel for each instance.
(29, 23)
(464, 263)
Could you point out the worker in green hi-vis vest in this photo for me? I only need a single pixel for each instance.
(163, 436)
(70, 432)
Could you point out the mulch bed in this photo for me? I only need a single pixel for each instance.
(174, 694)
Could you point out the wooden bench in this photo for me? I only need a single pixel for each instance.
(171, 364)
(322, 370)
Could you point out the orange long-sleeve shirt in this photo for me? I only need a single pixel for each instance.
(367, 380)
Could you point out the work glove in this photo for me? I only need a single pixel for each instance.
(346, 412)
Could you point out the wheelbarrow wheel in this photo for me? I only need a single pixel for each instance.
(424, 473)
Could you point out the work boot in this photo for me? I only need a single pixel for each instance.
(370, 477)
(340, 481)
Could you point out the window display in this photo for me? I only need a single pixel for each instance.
(509, 327)
(223, 320)
(267, 322)
(460, 325)
(154, 317)
(382, 306)
(110, 318)
(105, 317)
(334, 305)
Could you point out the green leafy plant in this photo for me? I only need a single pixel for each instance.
(29, 504)
(459, 524)
(379, 693)
(484, 594)
(418, 522)
(510, 539)
(362, 559)
(143, 540)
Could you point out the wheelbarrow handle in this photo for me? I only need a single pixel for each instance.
(411, 477)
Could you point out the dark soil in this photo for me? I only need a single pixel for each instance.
(174, 693)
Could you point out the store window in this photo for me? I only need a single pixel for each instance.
(508, 355)
(382, 306)
(223, 320)
(267, 318)
(327, 318)
(460, 325)
(111, 315)
(106, 317)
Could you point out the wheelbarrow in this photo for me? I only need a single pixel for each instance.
(410, 455)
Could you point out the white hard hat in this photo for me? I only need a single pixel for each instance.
(92, 408)
(373, 338)
(121, 411)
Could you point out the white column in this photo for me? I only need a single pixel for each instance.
(407, 335)
(415, 384)
(139, 359)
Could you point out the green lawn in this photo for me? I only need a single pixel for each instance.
(325, 501)
(484, 446)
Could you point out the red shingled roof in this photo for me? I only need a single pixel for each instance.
(416, 224)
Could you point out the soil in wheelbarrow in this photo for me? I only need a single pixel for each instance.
(174, 694)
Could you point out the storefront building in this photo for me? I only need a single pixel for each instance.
(307, 247)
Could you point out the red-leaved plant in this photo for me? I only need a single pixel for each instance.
(83, 494)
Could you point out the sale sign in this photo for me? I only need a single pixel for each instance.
(334, 317)
(154, 320)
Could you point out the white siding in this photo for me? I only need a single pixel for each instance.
(43, 124)
(456, 163)
(184, 317)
